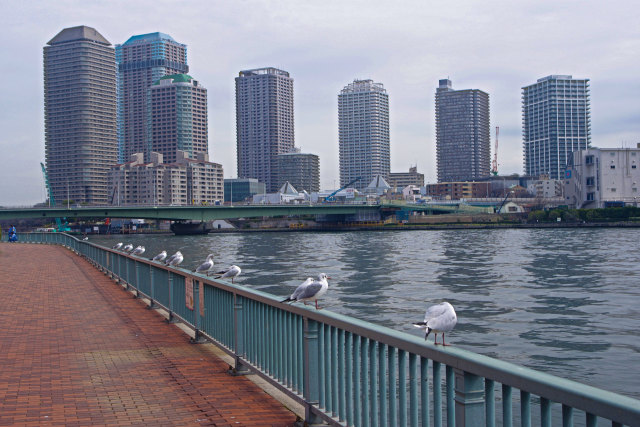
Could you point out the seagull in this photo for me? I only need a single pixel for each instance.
(85, 238)
(117, 246)
(205, 266)
(138, 251)
(439, 318)
(128, 247)
(233, 272)
(310, 290)
(160, 257)
(174, 259)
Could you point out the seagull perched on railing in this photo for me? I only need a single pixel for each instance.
(174, 259)
(160, 257)
(205, 266)
(138, 251)
(233, 272)
(128, 247)
(439, 318)
(310, 290)
(117, 246)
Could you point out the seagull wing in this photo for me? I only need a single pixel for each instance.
(310, 290)
(435, 311)
(301, 288)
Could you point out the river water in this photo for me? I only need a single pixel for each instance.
(566, 302)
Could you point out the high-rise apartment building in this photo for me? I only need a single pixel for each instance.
(302, 170)
(264, 123)
(177, 117)
(556, 122)
(463, 135)
(363, 132)
(79, 114)
(142, 60)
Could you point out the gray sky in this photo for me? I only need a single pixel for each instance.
(496, 46)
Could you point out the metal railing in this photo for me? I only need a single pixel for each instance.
(349, 372)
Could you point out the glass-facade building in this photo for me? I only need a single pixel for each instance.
(556, 122)
(241, 189)
(79, 115)
(463, 135)
(264, 123)
(142, 60)
(363, 133)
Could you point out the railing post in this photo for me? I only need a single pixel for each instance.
(170, 319)
(469, 399)
(238, 331)
(136, 285)
(197, 321)
(152, 297)
(311, 369)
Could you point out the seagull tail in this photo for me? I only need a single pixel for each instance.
(286, 300)
(420, 324)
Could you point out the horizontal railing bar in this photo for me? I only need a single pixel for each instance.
(602, 403)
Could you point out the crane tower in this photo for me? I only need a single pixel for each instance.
(494, 163)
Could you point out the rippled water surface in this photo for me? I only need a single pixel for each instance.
(566, 302)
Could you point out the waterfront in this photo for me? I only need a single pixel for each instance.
(560, 301)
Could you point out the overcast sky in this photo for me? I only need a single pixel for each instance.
(495, 46)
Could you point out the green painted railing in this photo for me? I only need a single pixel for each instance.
(349, 372)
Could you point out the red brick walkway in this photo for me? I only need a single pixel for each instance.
(77, 350)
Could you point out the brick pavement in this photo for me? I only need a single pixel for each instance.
(77, 350)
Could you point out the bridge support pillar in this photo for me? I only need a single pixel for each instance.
(469, 399)
(311, 381)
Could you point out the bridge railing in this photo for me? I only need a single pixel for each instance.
(349, 372)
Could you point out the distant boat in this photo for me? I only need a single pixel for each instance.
(187, 228)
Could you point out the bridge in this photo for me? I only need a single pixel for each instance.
(210, 213)
(346, 371)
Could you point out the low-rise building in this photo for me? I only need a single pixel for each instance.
(458, 190)
(185, 182)
(603, 177)
(302, 170)
(242, 189)
(402, 179)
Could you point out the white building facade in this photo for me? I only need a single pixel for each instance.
(363, 132)
(603, 177)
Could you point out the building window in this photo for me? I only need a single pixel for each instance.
(613, 166)
(589, 160)
(613, 190)
(590, 181)
(633, 166)
(590, 196)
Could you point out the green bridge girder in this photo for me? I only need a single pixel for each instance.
(210, 213)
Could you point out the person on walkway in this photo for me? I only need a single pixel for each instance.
(13, 236)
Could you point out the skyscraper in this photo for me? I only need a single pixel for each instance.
(264, 123)
(177, 117)
(556, 121)
(79, 114)
(463, 136)
(363, 132)
(142, 60)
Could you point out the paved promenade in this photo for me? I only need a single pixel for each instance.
(75, 349)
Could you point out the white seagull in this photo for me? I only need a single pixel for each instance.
(117, 246)
(174, 259)
(138, 251)
(310, 290)
(233, 272)
(128, 247)
(205, 266)
(439, 318)
(160, 257)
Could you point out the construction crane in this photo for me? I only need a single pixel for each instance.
(52, 200)
(494, 163)
(331, 198)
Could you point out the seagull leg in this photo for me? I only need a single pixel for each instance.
(317, 308)
(435, 340)
(443, 343)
